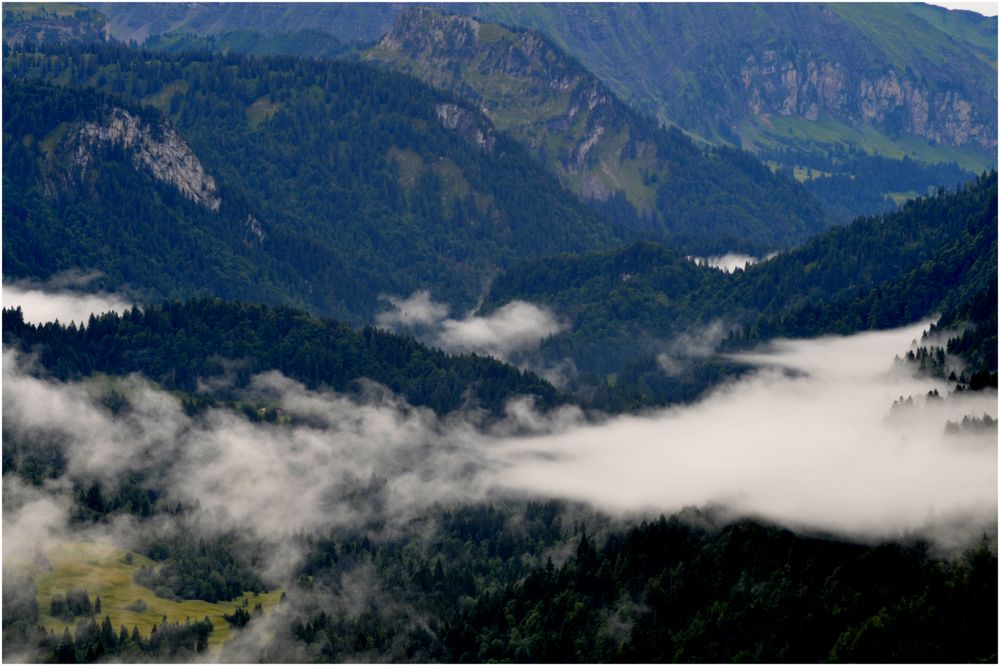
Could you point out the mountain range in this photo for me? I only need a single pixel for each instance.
(812, 74)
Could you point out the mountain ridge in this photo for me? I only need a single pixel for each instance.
(594, 144)
(330, 219)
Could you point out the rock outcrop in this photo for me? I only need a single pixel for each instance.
(158, 149)
(807, 86)
(522, 83)
(470, 126)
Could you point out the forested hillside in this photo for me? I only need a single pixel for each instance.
(334, 183)
(182, 345)
(876, 273)
(608, 154)
(661, 591)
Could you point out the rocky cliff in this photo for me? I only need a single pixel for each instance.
(156, 148)
(807, 86)
(884, 77)
(527, 88)
(597, 146)
(473, 128)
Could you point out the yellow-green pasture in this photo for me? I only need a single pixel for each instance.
(42, 9)
(102, 570)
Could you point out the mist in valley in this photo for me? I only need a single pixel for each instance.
(810, 439)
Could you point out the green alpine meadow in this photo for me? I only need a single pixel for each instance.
(499, 332)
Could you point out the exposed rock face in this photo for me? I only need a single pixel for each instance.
(599, 148)
(255, 231)
(159, 149)
(523, 84)
(468, 125)
(807, 86)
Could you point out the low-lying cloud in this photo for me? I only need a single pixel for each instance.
(697, 344)
(61, 299)
(417, 310)
(731, 261)
(515, 327)
(809, 440)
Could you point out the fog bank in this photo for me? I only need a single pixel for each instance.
(42, 304)
(731, 261)
(810, 440)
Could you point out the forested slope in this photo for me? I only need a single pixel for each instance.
(333, 183)
(181, 345)
(622, 162)
(878, 272)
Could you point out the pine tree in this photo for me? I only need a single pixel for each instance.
(66, 651)
(108, 641)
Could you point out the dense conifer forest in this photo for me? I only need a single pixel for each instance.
(626, 303)
(329, 173)
(181, 344)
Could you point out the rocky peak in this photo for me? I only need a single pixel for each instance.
(424, 30)
(158, 149)
(526, 87)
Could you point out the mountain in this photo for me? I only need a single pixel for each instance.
(324, 184)
(894, 79)
(348, 22)
(630, 305)
(237, 444)
(308, 43)
(597, 146)
(816, 90)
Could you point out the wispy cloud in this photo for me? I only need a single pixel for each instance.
(515, 327)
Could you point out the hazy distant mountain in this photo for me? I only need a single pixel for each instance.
(891, 78)
(53, 23)
(814, 89)
(597, 146)
(346, 21)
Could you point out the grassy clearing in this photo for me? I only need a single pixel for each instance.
(828, 131)
(53, 139)
(103, 570)
(803, 174)
(27, 10)
(410, 167)
(161, 98)
(261, 110)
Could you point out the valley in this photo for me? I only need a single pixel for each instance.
(499, 333)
